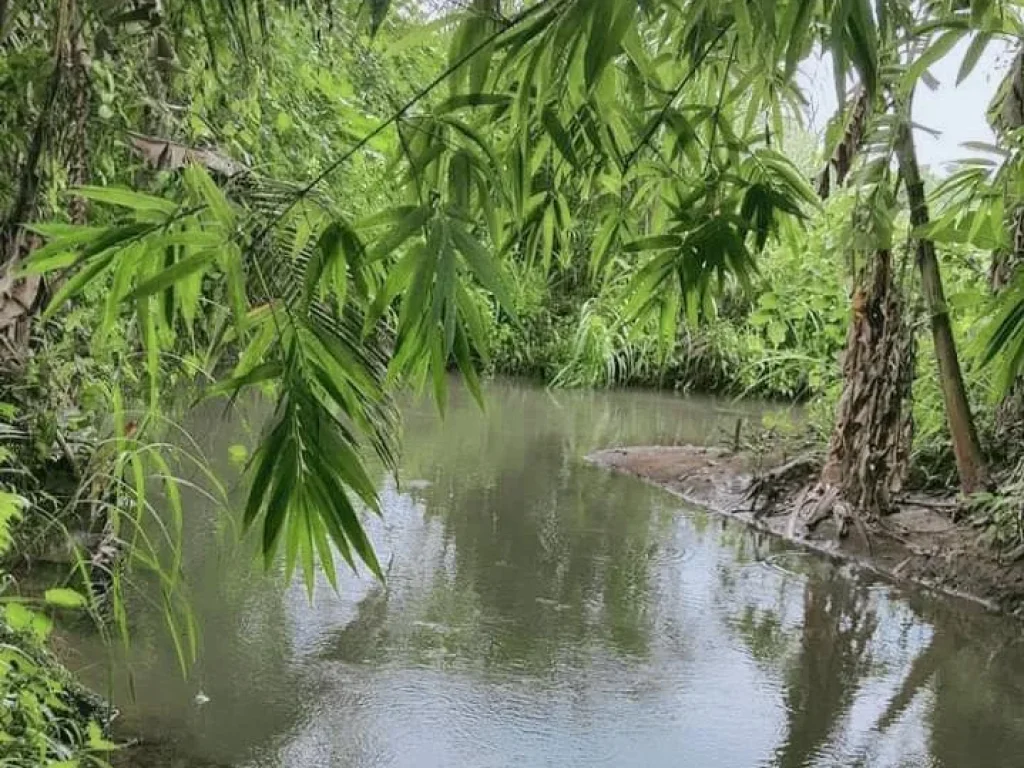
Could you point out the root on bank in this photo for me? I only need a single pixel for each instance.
(868, 452)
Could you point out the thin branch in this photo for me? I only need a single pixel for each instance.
(718, 106)
(655, 124)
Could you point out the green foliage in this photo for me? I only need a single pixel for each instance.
(588, 191)
(45, 719)
(333, 311)
(157, 256)
(780, 339)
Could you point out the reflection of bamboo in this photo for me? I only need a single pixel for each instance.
(837, 629)
(921, 671)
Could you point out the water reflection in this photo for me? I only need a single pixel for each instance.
(542, 612)
(825, 673)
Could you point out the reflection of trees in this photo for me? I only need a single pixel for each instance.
(826, 655)
(764, 635)
(976, 718)
(540, 539)
(968, 673)
(833, 658)
(365, 637)
(973, 671)
(528, 558)
(554, 552)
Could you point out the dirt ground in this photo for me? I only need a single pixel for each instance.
(918, 543)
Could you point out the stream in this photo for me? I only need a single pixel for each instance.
(543, 612)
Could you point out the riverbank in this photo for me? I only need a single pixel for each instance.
(918, 543)
(48, 715)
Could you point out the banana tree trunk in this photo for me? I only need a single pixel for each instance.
(969, 462)
(869, 448)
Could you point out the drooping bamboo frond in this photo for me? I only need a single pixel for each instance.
(329, 375)
(632, 140)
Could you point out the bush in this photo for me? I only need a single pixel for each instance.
(46, 719)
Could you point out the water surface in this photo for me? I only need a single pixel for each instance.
(542, 612)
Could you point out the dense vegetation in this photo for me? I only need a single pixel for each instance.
(330, 201)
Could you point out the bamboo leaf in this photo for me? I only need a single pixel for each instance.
(178, 271)
(653, 243)
(559, 136)
(462, 100)
(285, 472)
(266, 460)
(798, 16)
(973, 54)
(203, 187)
(936, 51)
(464, 360)
(261, 373)
(609, 24)
(378, 12)
(65, 598)
(76, 284)
(330, 249)
(126, 198)
(483, 267)
(412, 223)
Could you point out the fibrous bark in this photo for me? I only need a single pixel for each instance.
(76, 160)
(835, 172)
(870, 444)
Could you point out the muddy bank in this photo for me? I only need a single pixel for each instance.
(918, 543)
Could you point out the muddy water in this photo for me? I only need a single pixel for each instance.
(541, 612)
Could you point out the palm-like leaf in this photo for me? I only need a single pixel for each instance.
(634, 138)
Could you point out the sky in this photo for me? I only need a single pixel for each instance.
(957, 113)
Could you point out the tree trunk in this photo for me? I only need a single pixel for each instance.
(20, 297)
(838, 167)
(11, 230)
(869, 447)
(969, 462)
(77, 158)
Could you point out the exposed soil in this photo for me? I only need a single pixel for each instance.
(919, 542)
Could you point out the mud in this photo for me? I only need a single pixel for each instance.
(918, 543)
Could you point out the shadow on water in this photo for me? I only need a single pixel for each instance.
(539, 611)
